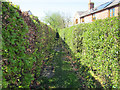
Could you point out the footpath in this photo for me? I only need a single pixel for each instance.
(65, 72)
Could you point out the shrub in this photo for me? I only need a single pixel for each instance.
(27, 45)
(97, 46)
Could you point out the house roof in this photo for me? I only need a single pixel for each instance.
(29, 12)
(80, 12)
(101, 7)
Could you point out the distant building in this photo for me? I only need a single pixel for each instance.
(76, 19)
(28, 12)
(108, 9)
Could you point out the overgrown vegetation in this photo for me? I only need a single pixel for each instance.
(96, 45)
(27, 44)
(33, 57)
(0, 45)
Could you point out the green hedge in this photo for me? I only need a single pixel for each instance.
(27, 44)
(96, 45)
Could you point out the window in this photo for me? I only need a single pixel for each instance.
(93, 17)
(76, 21)
(82, 19)
(112, 12)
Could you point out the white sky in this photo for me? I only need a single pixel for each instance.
(69, 7)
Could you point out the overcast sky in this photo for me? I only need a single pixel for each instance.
(40, 7)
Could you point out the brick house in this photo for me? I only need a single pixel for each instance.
(108, 9)
(76, 19)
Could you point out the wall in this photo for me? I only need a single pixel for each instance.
(88, 19)
(76, 17)
(101, 15)
(104, 14)
(117, 10)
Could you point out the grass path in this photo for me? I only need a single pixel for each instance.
(67, 74)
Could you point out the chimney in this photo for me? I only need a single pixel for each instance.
(90, 5)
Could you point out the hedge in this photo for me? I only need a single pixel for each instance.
(96, 45)
(27, 46)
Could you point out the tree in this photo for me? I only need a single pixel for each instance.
(67, 19)
(56, 20)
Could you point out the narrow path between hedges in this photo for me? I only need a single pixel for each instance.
(65, 72)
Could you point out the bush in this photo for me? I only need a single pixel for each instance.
(27, 45)
(97, 46)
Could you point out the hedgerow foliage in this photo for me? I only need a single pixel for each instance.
(96, 45)
(27, 45)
